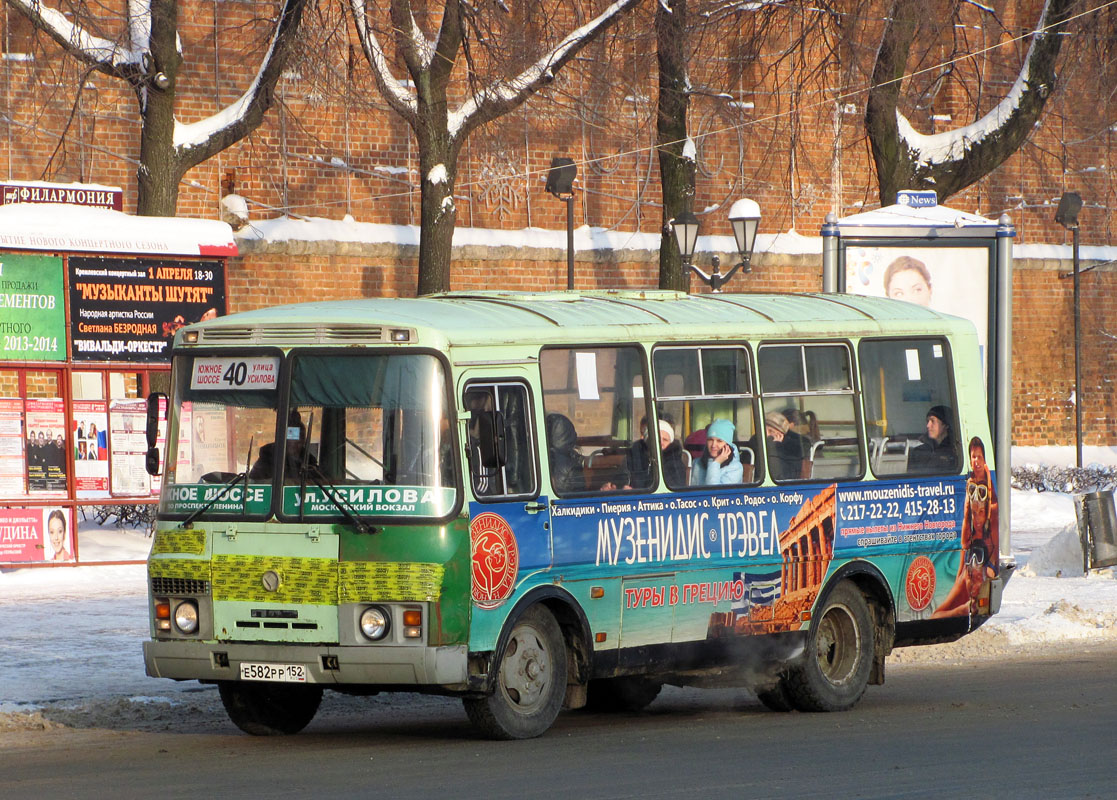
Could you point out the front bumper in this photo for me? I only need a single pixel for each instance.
(405, 667)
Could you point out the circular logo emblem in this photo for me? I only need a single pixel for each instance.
(270, 580)
(495, 559)
(920, 583)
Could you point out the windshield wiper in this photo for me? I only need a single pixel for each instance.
(343, 505)
(314, 472)
(229, 484)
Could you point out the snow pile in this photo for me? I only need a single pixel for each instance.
(1060, 557)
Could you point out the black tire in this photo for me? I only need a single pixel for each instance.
(621, 694)
(776, 698)
(530, 681)
(839, 657)
(269, 709)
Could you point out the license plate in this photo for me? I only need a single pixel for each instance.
(283, 673)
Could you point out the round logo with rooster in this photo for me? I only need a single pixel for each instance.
(920, 583)
(495, 559)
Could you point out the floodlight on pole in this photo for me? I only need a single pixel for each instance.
(560, 183)
(1067, 216)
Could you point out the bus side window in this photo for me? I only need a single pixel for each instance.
(810, 411)
(594, 399)
(698, 386)
(908, 398)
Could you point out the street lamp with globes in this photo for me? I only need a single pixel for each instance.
(744, 216)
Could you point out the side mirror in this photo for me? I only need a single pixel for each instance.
(153, 418)
(490, 439)
(151, 461)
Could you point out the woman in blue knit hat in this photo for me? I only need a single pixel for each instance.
(719, 463)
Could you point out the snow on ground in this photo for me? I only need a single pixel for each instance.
(73, 636)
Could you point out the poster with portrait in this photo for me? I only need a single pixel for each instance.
(36, 535)
(91, 451)
(953, 280)
(209, 439)
(12, 448)
(46, 446)
(128, 447)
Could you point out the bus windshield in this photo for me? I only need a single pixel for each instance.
(351, 435)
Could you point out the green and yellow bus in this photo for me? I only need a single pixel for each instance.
(547, 501)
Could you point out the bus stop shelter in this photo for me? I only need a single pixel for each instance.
(951, 261)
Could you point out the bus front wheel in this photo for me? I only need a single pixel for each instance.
(268, 709)
(835, 672)
(530, 682)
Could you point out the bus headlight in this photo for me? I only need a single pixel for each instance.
(186, 617)
(374, 623)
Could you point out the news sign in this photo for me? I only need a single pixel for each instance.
(128, 309)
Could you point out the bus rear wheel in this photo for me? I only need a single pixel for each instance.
(530, 682)
(839, 658)
(268, 709)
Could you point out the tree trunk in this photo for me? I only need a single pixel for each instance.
(676, 171)
(159, 172)
(895, 169)
(438, 166)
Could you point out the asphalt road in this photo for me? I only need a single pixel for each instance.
(1042, 726)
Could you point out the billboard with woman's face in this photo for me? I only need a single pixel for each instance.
(954, 280)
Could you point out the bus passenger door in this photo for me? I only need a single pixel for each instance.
(502, 469)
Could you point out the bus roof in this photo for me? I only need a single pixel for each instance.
(467, 318)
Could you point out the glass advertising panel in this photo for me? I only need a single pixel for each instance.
(128, 309)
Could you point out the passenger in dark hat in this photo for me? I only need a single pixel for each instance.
(936, 451)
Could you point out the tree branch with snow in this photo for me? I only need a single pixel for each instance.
(950, 161)
(148, 55)
(433, 63)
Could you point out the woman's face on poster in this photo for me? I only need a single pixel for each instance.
(57, 533)
(910, 285)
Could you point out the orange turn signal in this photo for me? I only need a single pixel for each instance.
(162, 610)
(412, 617)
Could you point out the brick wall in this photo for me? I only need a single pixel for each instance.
(788, 133)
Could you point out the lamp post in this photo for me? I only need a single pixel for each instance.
(560, 183)
(744, 216)
(1067, 216)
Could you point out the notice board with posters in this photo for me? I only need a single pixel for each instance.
(128, 309)
(90, 300)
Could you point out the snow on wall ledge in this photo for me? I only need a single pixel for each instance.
(347, 236)
(58, 227)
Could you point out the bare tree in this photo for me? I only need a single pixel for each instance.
(508, 58)
(673, 145)
(683, 29)
(950, 161)
(145, 54)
